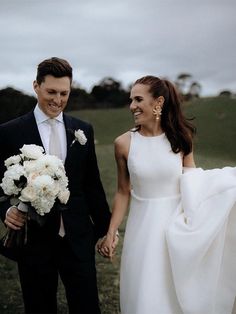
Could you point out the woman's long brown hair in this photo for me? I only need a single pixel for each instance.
(178, 129)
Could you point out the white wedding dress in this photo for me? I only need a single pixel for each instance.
(179, 251)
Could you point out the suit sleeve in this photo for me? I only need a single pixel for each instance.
(3, 155)
(98, 206)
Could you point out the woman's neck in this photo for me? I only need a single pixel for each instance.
(151, 131)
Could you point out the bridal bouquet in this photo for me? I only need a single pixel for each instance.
(34, 181)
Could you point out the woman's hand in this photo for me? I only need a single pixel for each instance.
(107, 246)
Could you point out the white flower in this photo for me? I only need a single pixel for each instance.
(11, 177)
(48, 164)
(44, 186)
(63, 196)
(36, 178)
(28, 194)
(12, 160)
(30, 166)
(43, 205)
(80, 137)
(32, 151)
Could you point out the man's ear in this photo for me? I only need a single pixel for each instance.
(35, 86)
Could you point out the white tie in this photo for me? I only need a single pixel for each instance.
(54, 142)
(55, 149)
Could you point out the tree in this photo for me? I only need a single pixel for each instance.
(14, 103)
(195, 89)
(182, 82)
(79, 99)
(187, 87)
(109, 93)
(225, 93)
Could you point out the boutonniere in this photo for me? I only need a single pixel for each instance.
(80, 137)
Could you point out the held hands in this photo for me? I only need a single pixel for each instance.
(106, 246)
(15, 219)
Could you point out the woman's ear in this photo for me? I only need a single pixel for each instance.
(160, 101)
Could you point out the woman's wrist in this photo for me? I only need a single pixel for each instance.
(113, 233)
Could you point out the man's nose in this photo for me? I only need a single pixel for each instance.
(57, 98)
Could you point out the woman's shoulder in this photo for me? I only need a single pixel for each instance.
(122, 143)
(123, 138)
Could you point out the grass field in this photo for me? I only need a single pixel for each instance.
(214, 146)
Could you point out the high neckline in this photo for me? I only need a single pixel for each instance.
(154, 136)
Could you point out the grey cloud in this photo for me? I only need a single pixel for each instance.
(123, 39)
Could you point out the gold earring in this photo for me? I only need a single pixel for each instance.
(157, 111)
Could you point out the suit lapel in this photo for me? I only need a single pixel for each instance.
(30, 130)
(69, 130)
(73, 151)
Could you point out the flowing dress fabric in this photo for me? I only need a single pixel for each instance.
(179, 248)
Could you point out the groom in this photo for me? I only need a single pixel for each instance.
(64, 245)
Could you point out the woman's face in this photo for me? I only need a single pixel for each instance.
(142, 104)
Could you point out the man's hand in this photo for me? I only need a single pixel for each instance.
(106, 246)
(15, 219)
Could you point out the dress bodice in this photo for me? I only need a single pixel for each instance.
(154, 169)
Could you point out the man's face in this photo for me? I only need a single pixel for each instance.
(53, 94)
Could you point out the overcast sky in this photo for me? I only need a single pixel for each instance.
(124, 39)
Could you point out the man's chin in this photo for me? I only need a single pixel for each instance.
(54, 113)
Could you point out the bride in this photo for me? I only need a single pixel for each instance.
(179, 251)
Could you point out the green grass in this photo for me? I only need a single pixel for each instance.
(215, 119)
(108, 123)
(214, 147)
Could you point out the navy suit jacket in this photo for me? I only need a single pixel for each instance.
(87, 215)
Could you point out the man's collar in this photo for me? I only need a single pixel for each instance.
(40, 116)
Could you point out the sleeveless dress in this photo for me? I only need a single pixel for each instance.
(179, 253)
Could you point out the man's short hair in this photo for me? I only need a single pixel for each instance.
(54, 66)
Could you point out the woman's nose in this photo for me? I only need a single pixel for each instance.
(132, 105)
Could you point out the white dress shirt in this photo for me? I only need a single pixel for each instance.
(45, 129)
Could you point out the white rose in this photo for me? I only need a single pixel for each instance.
(63, 196)
(32, 151)
(28, 194)
(44, 185)
(11, 176)
(48, 164)
(12, 160)
(9, 186)
(43, 205)
(30, 166)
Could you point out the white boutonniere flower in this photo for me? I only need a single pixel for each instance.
(80, 137)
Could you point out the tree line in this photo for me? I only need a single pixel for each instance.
(108, 93)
